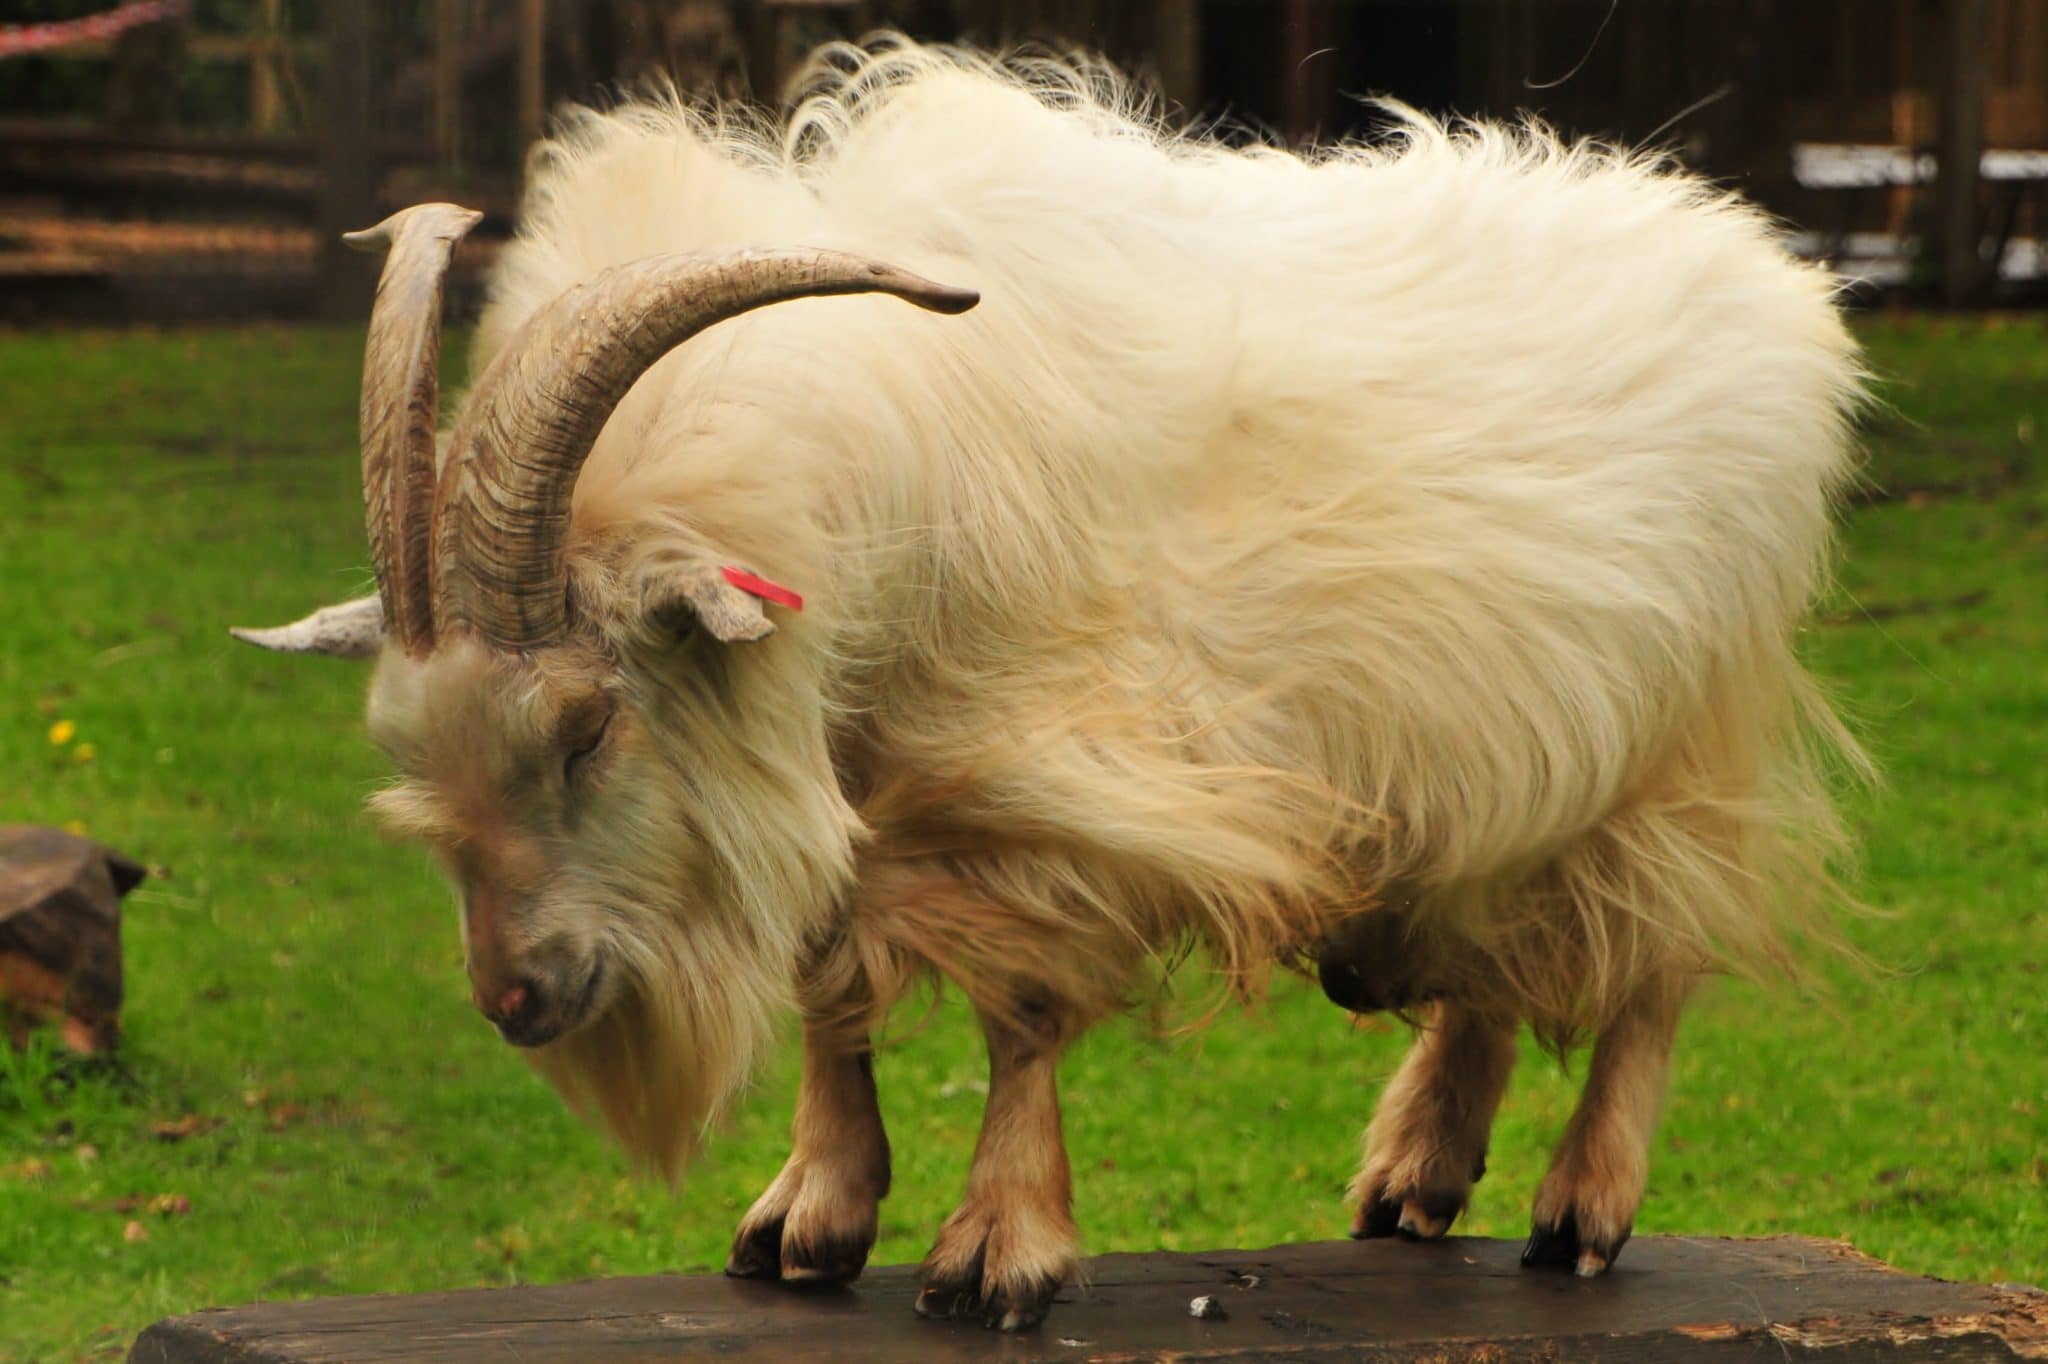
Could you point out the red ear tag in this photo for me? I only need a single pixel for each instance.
(756, 585)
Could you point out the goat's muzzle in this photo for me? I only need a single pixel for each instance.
(532, 1011)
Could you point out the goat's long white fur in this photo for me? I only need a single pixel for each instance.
(1278, 528)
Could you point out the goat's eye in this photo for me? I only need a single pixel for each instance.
(585, 749)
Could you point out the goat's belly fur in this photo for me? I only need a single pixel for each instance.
(1276, 531)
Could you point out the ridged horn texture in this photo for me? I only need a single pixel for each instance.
(400, 406)
(501, 511)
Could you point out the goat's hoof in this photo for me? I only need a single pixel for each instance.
(756, 1252)
(1418, 1217)
(1413, 1214)
(1561, 1247)
(954, 1294)
(837, 1260)
(1006, 1309)
(1428, 1218)
(998, 1263)
(1024, 1316)
(965, 1292)
(767, 1252)
(1377, 1218)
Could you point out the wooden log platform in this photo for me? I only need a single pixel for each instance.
(1668, 1299)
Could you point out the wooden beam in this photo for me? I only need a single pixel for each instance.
(770, 38)
(533, 31)
(1306, 62)
(348, 172)
(1671, 1300)
(141, 96)
(1177, 50)
(449, 32)
(266, 75)
(2031, 47)
(1965, 69)
(489, 40)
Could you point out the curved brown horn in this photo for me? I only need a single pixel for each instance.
(401, 398)
(501, 512)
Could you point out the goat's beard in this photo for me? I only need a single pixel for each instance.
(692, 1014)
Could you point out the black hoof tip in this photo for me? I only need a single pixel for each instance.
(937, 1302)
(765, 1254)
(1006, 1312)
(1433, 1216)
(953, 1294)
(1562, 1247)
(834, 1261)
(1376, 1220)
(757, 1254)
(1553, 1247)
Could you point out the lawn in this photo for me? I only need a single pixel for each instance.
(306, 1104)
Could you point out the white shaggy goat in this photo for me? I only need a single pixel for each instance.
(1388, 558)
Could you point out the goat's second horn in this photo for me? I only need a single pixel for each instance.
(501, 513)
(400, 406)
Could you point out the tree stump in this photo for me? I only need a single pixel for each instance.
(1670, 1299)
(60, 935)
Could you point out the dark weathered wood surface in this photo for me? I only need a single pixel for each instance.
(1669, 1299)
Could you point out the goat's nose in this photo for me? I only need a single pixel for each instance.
(515, 1008)
(511, 1002)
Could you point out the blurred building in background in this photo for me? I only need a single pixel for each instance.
(198, 157)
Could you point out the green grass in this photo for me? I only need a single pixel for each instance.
(294, 982)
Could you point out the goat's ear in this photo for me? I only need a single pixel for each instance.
(353, 629)
(703, 596)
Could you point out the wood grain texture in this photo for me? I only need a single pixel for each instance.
(1670, 1299)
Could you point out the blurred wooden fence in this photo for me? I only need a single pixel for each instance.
(354, 108)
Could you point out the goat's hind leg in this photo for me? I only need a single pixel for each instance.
(1426, 1146)
(816, 1222)
(1586, 1206)
(1011, 1243)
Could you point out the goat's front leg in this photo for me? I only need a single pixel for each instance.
(1426, 1146)
(1586, 1206)
(1010, 1244)
(816, 1222)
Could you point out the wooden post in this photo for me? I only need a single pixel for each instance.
(1963, 78)
(533, 29)
(1177, 48)
(1502, 36)
(348, 177)
(146, 60)
(1480, 56)
(266, 61)
(762, 38)
(1637, 82)
(777, 45)
(1305, 68)
(448, 37)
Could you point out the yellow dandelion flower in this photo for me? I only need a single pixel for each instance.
(75, 826)
(61, 733)
(84, 753)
